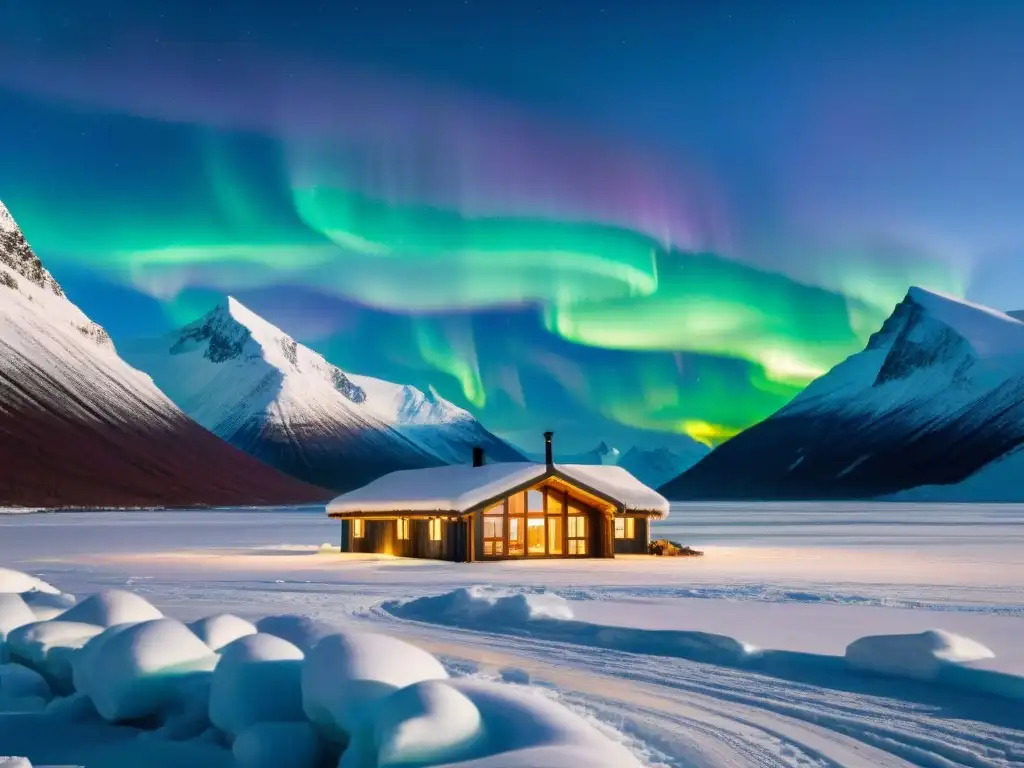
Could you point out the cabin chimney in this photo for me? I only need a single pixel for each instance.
(549, 457)
(478, 456)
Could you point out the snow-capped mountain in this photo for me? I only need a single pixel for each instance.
(602, 453)
(79, 426)
(249, 382)
(651, 466)
(656, 466)
(937, 394)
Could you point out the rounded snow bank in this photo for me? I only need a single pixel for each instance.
(217, 631)
(49, 647)
(14, 762)
(18, 582)
(347, 674)
(426, 724)
(301, 631)
(921, 656)
(112, 607)
(257, 680)
(477, 606)
(135, 671)
(46, 605)
(278, 745)
(475, 722)
(22, 689)
(14, 613)
(548, 616)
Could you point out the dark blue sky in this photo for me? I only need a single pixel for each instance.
(156, 154)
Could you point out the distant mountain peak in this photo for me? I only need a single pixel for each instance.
(17, 255)
(82, 427)
(988, 331)
(22, 272)
(937, 393)
(248, 381)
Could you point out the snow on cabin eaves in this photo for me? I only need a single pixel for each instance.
(460, 488)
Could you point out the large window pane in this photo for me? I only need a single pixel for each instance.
(516, 536)
(554, 535)
(577, 526)
(494, 527)
(556, 502)
(535, 536)
(497, 509)
(535, 502)
(517, 504)
(625, 528)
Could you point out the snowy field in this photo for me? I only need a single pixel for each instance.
(736, 658)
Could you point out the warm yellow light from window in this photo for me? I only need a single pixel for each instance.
(358, 529)
(403, 529)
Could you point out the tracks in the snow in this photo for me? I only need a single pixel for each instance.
(692, 714)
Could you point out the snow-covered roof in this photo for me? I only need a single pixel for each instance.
(460, 488)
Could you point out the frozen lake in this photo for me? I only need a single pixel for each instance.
(801, 578)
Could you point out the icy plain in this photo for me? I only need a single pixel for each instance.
(732, 659)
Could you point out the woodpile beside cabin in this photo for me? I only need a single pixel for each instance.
(500, 511)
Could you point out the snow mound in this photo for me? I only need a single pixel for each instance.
(426, 724)
(49, 647)
(47, 605)
(14, 762)
(257, 680)
(135, 671)
(346, 674)
(548, 616)
(18, 582)
(22, 689)
(278, 745)
(921, 656)
(481, 605)
(217, 631)
(522, 728)
(17, 681)
(14, 613)
(301, 631)
(112, 607)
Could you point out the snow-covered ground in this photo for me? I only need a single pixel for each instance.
(735, 658)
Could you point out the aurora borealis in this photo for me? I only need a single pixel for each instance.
(516, 207)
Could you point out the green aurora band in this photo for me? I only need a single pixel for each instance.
(756, 337)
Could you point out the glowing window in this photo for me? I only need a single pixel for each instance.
(358, 529)
(435, 529)
(403, 529)
(625, 528)
(535, 502)
(577, 540)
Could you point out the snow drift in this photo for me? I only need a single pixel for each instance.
(333, 697)
(222, 629)
(921, 656)
(548, 616)
(248, 668)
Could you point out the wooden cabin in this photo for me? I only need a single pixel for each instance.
(500, 511)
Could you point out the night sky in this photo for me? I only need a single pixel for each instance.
(624, 220)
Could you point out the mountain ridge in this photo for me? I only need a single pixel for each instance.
(936, 394)
(80, 427)
(251, 383)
